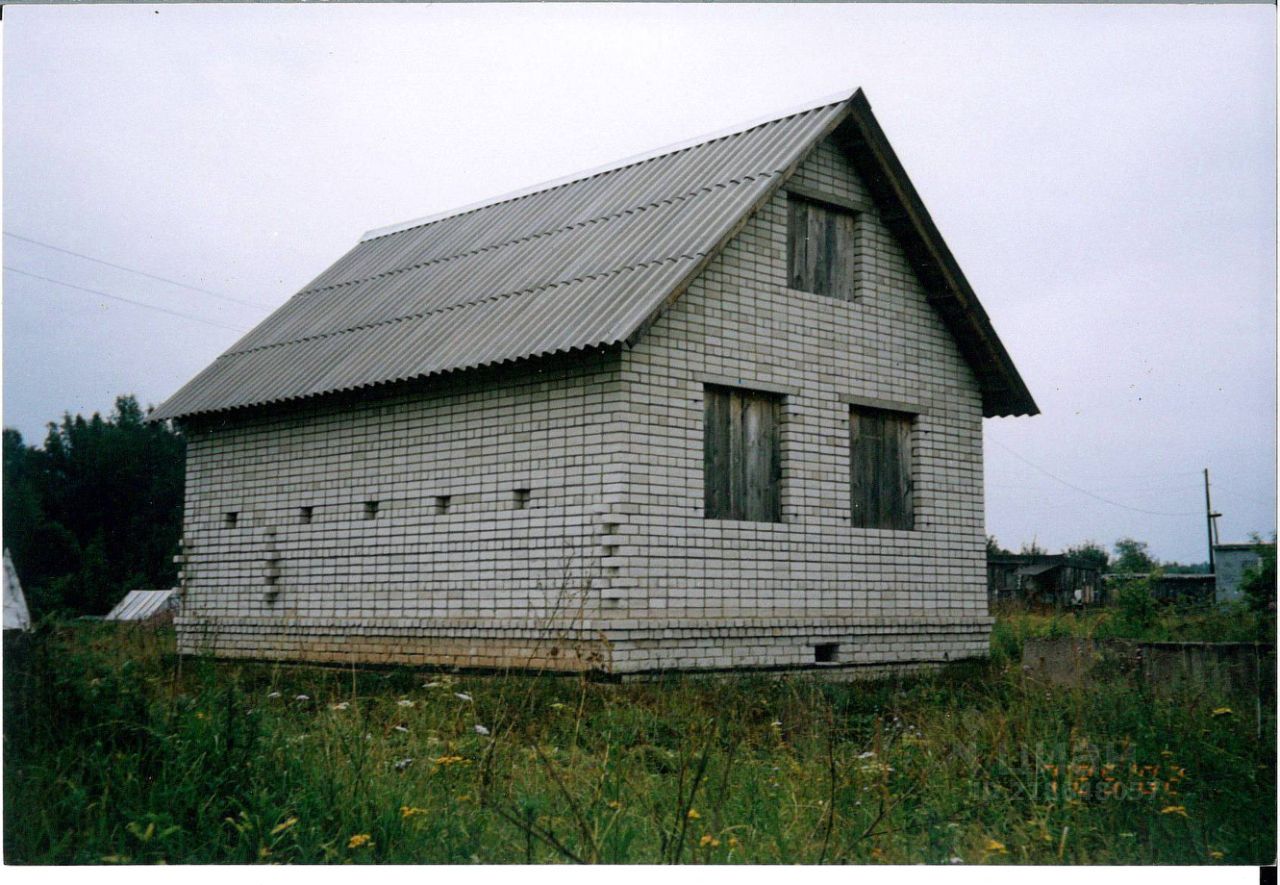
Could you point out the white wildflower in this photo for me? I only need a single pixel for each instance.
(462, 696)
(480, 729)
(342, 706)
(405, 702)
(432, 684)
(401, 728)
(867, 755)
(273, 694)
(955, 859)
(402, 764)
(302, 697)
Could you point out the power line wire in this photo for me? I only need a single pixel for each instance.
(134, 270)
(1086, 491)
(185, 316)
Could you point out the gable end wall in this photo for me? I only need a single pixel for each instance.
(689, 592)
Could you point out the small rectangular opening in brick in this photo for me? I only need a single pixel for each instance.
(305, 514)
(826, 653)
(520, 499)
(230, 519)
(271, 580)
(442, 504)
(370, 509)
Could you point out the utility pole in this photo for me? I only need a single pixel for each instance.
(1211, 523)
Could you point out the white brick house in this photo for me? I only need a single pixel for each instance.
(717, 408)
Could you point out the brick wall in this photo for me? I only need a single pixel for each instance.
(612, 565)
(416, 578)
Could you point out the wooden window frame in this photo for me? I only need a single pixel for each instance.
(822, 247)
(882, 468)
(742, 454)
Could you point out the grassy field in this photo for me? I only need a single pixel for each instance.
(115, 752)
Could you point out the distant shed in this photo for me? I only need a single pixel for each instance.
(1230, 562)
(149, 606)
(1043, 579)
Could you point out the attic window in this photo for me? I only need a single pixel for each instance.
(370, 509)
(305, 514)
(820, 248)
(520, 500)
(442, 504)
(230, 519)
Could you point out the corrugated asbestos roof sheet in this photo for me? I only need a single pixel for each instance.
(138, 605)
(16, 616)
(580, 265)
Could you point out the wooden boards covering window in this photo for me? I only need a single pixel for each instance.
(880, 488)
(820, 248)
(742, 458)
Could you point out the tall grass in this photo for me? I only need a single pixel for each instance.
(117, 753)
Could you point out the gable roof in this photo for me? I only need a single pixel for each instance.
(584, 264)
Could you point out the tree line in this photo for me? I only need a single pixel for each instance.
(1130, 557)
(96, 511)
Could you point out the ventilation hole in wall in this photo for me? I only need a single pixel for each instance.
(370, 509)
(230, 519)
(520, 500)
(608, 550)
(610, 528)
(442, 504)
(826, 653)
(271, 580)
(305, 514)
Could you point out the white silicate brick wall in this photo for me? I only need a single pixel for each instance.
(610, 565)
(451, 568)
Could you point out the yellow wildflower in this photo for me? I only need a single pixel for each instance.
(693, 814)
(1174, 809)
(710, 840)
(408, 811)
(264, 852)
(994, 847)
(733, 842)
(615, 804)
(1216, 855)
(1222, 711)
(360, 840)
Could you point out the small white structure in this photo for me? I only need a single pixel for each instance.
(16, 616)
(1231, 561)
(143, 605)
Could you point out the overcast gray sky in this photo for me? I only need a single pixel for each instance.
(1105, 175)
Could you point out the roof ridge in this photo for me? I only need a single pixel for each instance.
(529, 290)
(616, 166)
(644, 207)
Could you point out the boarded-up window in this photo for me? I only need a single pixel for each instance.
(742, 460)
(820, 249)
(880, 469)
